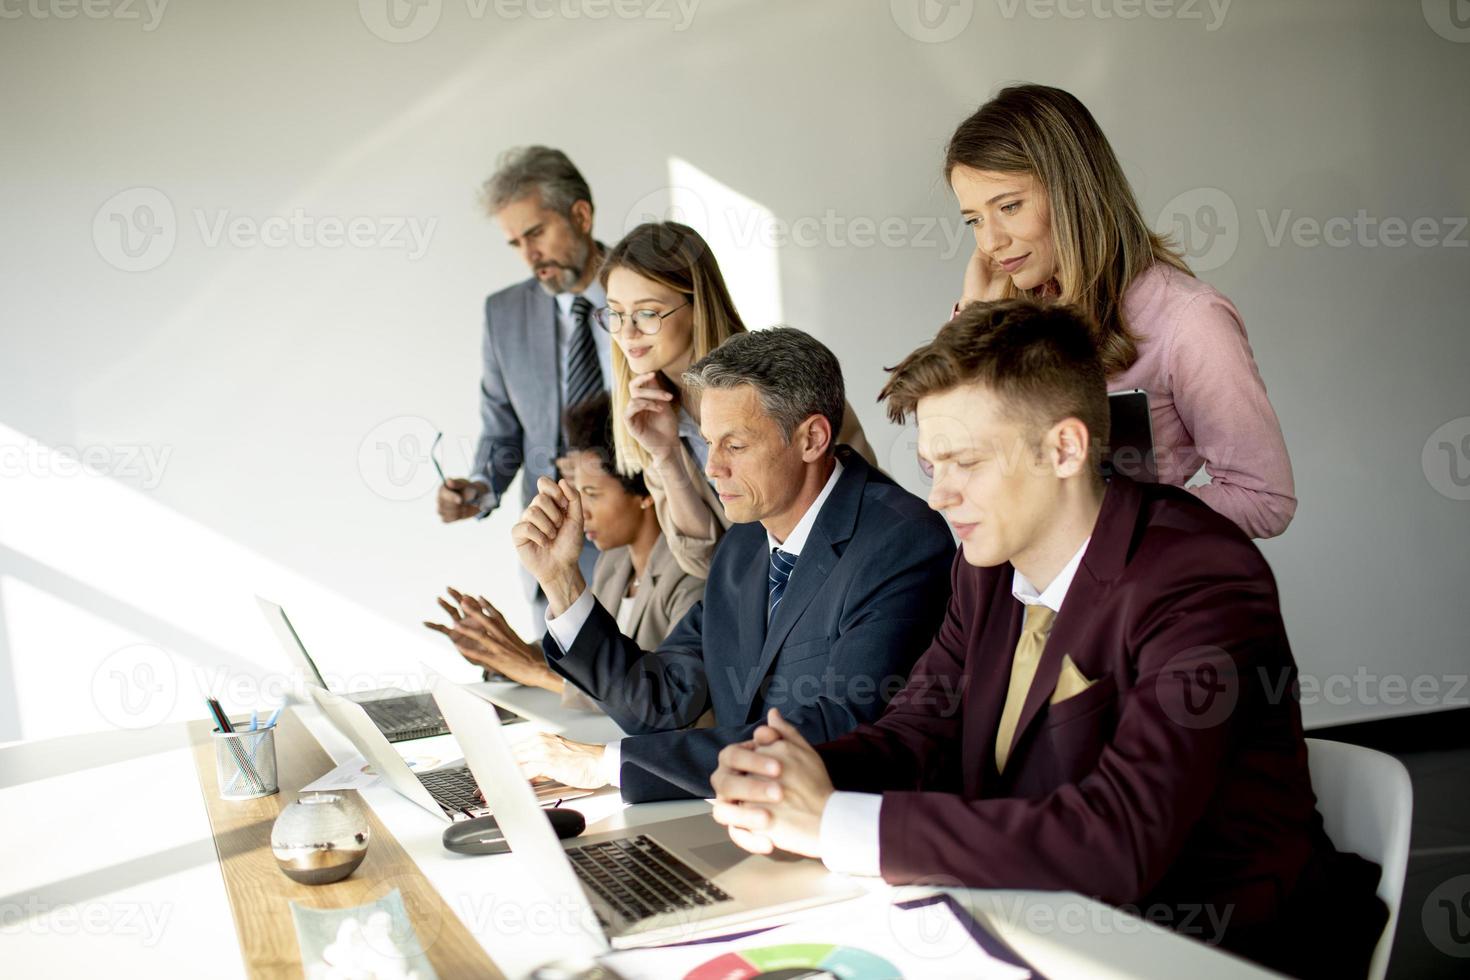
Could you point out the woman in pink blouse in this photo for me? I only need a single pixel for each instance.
(1054, 216)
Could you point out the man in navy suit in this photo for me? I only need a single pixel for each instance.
(832, 582)
(541, 352)
(1129, 726)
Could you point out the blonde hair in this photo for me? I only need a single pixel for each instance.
(676, 257)
(1102, 242)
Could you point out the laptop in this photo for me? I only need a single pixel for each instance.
(399, 715)
(655, 883)
(1131, 441)
(446, 792)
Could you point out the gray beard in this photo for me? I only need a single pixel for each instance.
(565, 278)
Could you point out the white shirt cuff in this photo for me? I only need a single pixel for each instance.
(612, 763)
(564, 628)
(848, 835)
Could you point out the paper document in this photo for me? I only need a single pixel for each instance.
(867, 940)
(355, 773)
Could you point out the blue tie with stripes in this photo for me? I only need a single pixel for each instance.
(782, 565)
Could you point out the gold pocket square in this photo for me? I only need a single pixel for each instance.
(1070, 682)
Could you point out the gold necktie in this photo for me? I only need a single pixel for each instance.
(1023, 670)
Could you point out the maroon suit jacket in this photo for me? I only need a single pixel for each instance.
(1176, 783)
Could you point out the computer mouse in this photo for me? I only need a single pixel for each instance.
(482, 835)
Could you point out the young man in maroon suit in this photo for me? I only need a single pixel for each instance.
(1127, 725)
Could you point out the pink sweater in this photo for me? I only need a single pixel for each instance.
(1207, 401)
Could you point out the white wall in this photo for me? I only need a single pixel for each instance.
(285, 394)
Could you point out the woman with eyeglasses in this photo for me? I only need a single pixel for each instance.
(1054, 218)
(667, 307)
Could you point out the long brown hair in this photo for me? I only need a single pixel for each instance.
(1102, 242)
(677, 257)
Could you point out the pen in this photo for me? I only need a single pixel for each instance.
(271, 721)
(254, 720)
(223, 723)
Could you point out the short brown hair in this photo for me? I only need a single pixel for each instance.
(1040, 361)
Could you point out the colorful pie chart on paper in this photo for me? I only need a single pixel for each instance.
(805, 961)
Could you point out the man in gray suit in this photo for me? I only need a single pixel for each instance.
(541, 350)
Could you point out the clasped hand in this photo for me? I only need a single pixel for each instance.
(770, 790)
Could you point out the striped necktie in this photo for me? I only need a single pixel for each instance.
(782, 565)
(582, 373)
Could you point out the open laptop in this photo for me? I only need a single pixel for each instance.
(1130, 449)
(399, 715)
(656, 883)
(448, 791)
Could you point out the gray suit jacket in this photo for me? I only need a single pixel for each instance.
(520, 392)
(664, 595)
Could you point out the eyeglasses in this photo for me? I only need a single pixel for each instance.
(647, 322)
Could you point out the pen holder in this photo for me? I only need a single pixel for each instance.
(245, 763)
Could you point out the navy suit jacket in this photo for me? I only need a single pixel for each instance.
(865, 599)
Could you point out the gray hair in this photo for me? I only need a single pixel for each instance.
(793, 373)
(528, 169)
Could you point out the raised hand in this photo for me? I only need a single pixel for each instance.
(984, 280)
(650, 415)
(548, 541)
(483, 637)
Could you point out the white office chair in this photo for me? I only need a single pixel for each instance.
(1366, 802)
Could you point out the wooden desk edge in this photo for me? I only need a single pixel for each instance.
(260, 894)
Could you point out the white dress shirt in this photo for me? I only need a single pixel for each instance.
(848, 834)
(566, 324)
(564, 628)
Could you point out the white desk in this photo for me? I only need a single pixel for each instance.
(93, 882)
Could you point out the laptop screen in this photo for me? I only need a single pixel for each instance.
(285, 633)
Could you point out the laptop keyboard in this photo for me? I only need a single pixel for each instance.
(454, 788)
(401, 719)
(640, 879)
(417, 716)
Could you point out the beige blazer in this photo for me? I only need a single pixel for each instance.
(695, 552)
(665, 593)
